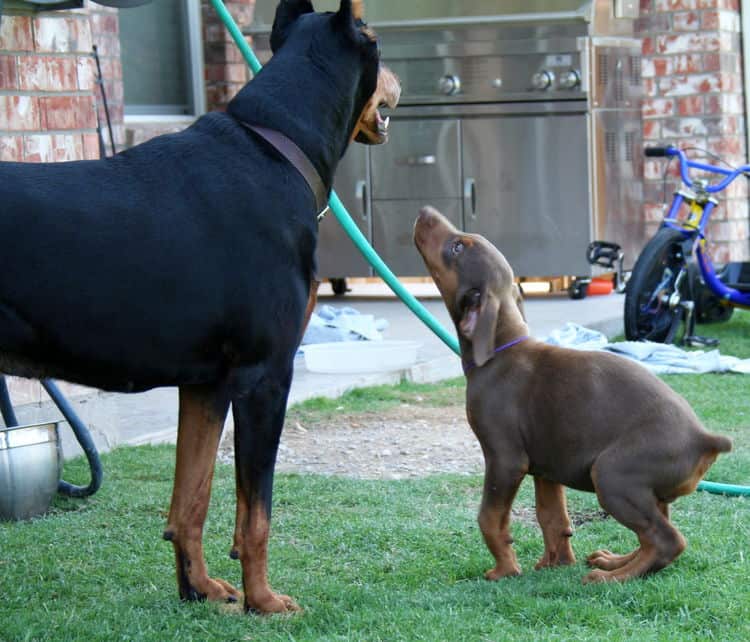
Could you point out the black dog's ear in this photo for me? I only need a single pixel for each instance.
(346, 15)
(478, 324)
(286, 13)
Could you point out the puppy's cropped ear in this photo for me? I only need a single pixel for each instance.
(478, 324)
(286, 13)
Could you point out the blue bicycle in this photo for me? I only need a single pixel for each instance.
(674, 283)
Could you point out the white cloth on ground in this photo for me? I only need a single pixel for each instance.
(660, 358)
(331, 324)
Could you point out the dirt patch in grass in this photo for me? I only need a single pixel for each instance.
(400, 443)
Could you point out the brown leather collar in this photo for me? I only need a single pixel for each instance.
(289, 150)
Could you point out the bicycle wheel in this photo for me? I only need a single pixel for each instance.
(658, 283)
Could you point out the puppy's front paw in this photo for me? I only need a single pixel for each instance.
(507, 571)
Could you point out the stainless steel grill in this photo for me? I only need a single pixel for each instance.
(519, 120)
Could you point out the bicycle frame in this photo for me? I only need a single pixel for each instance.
(702, 205)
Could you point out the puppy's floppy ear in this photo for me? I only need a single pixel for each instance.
(286, 13)
(478, 324)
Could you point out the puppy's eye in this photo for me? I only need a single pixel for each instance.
(457, 247)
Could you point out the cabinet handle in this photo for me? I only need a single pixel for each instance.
(470, 196)
(416, 161)
(360, 190)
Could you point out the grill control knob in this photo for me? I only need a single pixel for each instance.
(570, 79)
(449, 85)
(542, 80)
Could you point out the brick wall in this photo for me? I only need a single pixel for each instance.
(225, 71)
(47, 86)
(692, 69)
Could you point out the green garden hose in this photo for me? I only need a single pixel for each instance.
(362, 244)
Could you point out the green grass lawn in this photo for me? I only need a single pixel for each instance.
(381, 560)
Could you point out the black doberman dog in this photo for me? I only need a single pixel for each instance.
(188, 261)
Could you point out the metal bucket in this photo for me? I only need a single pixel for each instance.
(29, 469)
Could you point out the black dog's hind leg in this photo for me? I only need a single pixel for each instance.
(203, 410)
(259, 406)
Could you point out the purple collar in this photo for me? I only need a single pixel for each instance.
(468, 365)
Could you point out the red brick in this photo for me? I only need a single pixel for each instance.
(651, 130)
(11, 148)
(19, 113)
(663, 66)
(655, 107)
(86, 73)
(689, 21)
(675, 5)
(104, 23)
(697, 84)
(712, 62)
(49, 148)
(710, 20)
(68, 112)
(91, 146)
(688, 63)
(15, 34)
(47, 73)
(690, 106)
(86, 112)
(58, 34)
(58, 112)
(688, 43)
(727, 146)
(653, 170)
(649, 87)
(8, 72)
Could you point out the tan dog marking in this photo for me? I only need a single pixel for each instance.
(371, 129)
(201, 425)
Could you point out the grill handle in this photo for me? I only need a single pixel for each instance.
(470, 196)
(360, 191)
(417, 161)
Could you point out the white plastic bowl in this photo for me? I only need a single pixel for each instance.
(360, 356)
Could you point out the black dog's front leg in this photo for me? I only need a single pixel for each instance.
(259, 407)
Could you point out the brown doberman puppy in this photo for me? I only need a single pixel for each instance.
(588, 420)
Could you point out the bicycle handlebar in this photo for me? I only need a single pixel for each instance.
(657, 151)
(686, 164)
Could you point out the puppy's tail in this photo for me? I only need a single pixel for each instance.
(719, 443)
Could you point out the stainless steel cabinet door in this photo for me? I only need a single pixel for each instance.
(526, 190)
(421, 160)
(337, 255)
(393, 231)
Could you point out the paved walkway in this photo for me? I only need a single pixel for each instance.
(151, 417)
